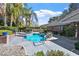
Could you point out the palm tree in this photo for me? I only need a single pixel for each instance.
(30, 15)
(14, 10)
(2, 13)
(5, 20)
(9, 13)
(27, 15)
(34, 17)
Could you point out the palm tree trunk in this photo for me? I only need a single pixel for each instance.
(76, 31)
(5, 20)
(11, 20)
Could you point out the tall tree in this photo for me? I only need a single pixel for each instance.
(65, 12)
(34, 18)
(2, 14)
(14, 10)
(5, 19)
(73, 6)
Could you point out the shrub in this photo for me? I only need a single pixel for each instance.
(51, 53)
(28, 30)
(68, 31)
(39, 53)
(77, 45)
(55, 53)
(7, 28)
(11, 28)
(45, 30)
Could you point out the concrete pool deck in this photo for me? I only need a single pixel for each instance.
(30, 49)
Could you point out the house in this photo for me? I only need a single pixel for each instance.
(71, 18)
(55, 26)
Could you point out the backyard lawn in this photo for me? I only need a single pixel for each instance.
(9, 32)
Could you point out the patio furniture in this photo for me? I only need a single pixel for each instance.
(38, 43)
(21, 34)
(49, 35)
(51, 38)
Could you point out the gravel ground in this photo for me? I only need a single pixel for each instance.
(11, 51)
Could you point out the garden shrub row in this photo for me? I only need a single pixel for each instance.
(7, 28)
(51, 53)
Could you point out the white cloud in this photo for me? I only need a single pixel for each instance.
(44, 15)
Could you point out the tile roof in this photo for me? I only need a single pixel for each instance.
(70, 18)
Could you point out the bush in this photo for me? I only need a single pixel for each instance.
(55, 53)
(68, 31)
(40, 53)
(45, 30)
(28, 30)
(77, 45)
(11, 27)
(7, 28)
(51, 53)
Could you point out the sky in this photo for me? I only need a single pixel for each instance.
(46, 10)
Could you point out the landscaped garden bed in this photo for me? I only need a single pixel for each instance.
(51, 53)
(8, 31)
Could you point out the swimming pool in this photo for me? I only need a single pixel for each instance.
(35, 37)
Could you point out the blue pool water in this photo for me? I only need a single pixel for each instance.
(35, 37)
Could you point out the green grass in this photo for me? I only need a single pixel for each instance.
(9, 32)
